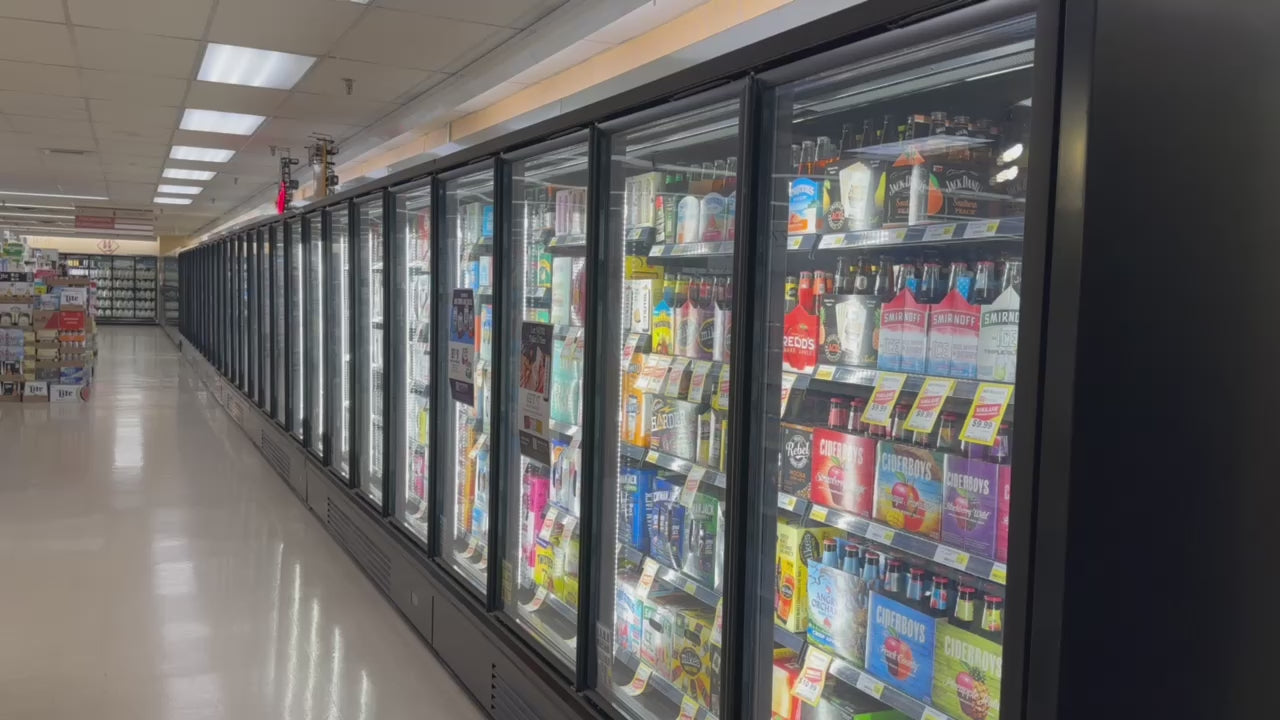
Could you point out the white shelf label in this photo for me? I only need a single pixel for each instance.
(934, 233)
(787, 502)
(998, 572)
(539, 597)
(879, 533)
(951, 557)
(931, 714)
(979, 229)
(834, 240)
(818, 513)
(870, 685)
(696, 473)
(794, 242)
(548, 523)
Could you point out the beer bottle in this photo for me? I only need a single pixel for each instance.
(717, 183)
(841, 280)
(947, 431)
(821, 286)
(829, 557)
(900, 413)
(1012, 276)
(992, 625)
(1000, 452)
(823, 154)
(837, 414)
(731, 175)
(940, 597)
(871, 571)
(862, 278)
(889, 131)
(931, 289)
(868, 133)
(852, 563)
(937, 123)
(856, 407)
(796, 155)
(808, 156)
(884, 287)
(893, 581)
(965, 612)
(790, 299)
(958, 279)
(804, 291)
(915, 589)
(846, 139)
(709, 172)
(985, 284)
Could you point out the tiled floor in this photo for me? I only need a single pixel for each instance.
(153, 566)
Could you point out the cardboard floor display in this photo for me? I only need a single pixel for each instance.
(47, 337)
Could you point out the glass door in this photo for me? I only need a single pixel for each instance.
(897, 195)
(242, 314)
(279, 332)
(297, 300)
(467, 294)
(253, 297)
(670, 251)
(372, 263)
(340, 312)
(413, 298)
(547, 209)
(266, 375)
(318, 341)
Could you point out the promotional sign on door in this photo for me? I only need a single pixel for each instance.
(535, 391)
(462, 346)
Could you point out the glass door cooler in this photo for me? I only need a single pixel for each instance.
(669, 249)
(465, 405)
(279, 331)
(318, 341)
(413, 300)
(373, 415)
(340, 313)
(894, 272)
(296, 253)
(547, 211)
(242, 312)
(266, 377)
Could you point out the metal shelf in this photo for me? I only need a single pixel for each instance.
(788, 639)
(656, 681)
(975, 565)
(935, 233)
(697, 250)
(666, 461)
(792, 504)
(674, 577)
(826, 376)
(846, 673)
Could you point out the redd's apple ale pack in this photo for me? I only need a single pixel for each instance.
(909, 488)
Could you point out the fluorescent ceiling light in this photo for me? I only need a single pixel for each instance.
(172, 201)
(180, 189)
(217, 121)
(182, 174)
(236, 65)
(53, 195)
(200, 154)
(22, 205)
(37, 215)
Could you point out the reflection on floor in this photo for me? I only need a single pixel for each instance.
(153, 566)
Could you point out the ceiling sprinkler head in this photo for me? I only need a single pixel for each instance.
(349, 83)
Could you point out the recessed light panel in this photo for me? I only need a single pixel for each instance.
(172, 201)
(199, 154)
(179, 189)
(236, 65)
(220, 122)
(53, 195)
(184, 174)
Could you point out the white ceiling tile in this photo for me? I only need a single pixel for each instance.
(404, 39)
(369, 81)
(131, 192)
(142, 148)
(340, 109)
(127, 113)
(576, 53)
(176, 18)
(113, 159)
(136, 53)
(41, 140)
(208, 140)
(38, 42)
(126, 174)
(146, 133)
(47, 10)
(309, 27)
(132, 87)
(295, 134)
(234, 98)
(36, 78)
(41, 125)
(517, 14)
(50, 106)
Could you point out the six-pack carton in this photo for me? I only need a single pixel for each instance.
(900, 646)
(966, 674)
(797, 545)
(909, 488)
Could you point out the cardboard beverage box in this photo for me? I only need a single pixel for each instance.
(966, 675)
(658, 643)
(998, 338)
(673, 426)
(909, 488)
(844, 471)
(800, 341)
(37, 391)
(693, 655)
(965, 188)
(903, 334)
(797, 453)
(11, 390)
(786, 670)
(969, 512)
(900, 646)
(703, 542)
(953, 338)
(1002, 514)
(633, 495)
(797, 545)
(838, 611)
(849, 329)
(665, 519)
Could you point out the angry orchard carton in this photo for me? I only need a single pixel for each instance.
(966, 675)
(903, 334)
(838, 611)
(970, 502)
(909, 488)
(843, 471)
(900, 646)
(953, 338)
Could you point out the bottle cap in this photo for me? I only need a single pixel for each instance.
(966, 589)
(917, 571)
(994, 599)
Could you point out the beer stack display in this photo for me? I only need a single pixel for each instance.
(903, 267)
(678, 229)
(47, 337)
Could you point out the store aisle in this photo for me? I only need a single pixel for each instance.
(153, 566)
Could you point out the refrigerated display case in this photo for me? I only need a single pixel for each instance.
(542, 483)
(318, 341)
(895, 239)
(371, 261)
(171, 292)
(465, 423)
(337, 226)
(670, 250)
(279, 331)
(127, 285)
(413, 300)
(296, 252)
(242, 313)
(266, 375)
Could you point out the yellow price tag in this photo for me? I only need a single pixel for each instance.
(813, 676)
(825, 372)
(818, 513)
(928, 405)
(987, 412)
(688, 709)
(998, 573)
(879, 533)
(885, 395)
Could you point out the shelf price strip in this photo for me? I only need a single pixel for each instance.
(883, 397)
(985, 415)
